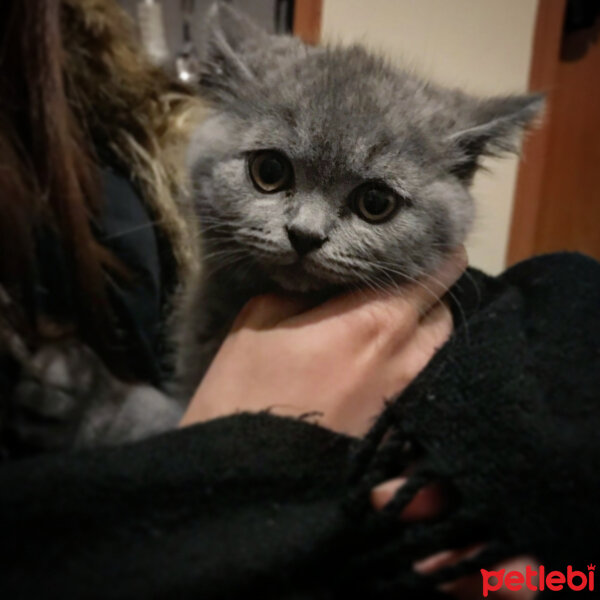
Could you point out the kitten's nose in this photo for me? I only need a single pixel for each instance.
(304, 241)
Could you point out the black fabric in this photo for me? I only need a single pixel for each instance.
(506, 416)
(127, 229)
(205, 512)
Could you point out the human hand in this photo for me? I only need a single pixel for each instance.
(428, 503)
(341, 359)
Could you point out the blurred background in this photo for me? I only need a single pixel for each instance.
(550, 198)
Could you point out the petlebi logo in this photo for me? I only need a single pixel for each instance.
(538, 580)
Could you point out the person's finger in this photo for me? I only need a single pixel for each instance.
(446, 558)
(431, 334)
(408, 356)
(434, 330)
(426, 504)
(268, 310)
(384, 492)
(470, 587)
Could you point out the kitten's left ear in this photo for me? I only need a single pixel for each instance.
(495, 127)
(228, 34)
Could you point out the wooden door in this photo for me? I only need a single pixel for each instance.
(557, 202)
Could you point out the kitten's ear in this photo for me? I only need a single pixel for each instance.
(494, 126)
(227, 34)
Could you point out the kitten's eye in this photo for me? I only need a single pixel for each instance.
(270, 171)
(374, 202)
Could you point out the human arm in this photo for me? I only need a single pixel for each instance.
(339, 361)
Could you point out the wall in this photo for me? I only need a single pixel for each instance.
(482, 46)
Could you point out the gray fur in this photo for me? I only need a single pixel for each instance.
(342, 116)
(66, 397)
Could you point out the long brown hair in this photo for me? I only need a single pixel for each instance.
(47, 177)
(73, 77)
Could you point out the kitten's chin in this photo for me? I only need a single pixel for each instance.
(295, 279)
(303, 278)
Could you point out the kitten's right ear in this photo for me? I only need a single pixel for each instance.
(227, 35)
(494, 126)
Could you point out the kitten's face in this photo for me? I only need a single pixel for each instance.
(327, 168)
(315, 213)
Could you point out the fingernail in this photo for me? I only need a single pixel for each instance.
(384, 492)
(434, 562)
(446, 558)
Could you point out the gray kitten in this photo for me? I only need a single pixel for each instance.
(322, 168)
(318, 169)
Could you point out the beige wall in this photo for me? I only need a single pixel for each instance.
(482, 46)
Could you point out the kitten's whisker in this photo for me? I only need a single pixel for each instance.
(223, 257)
(224, 253)
(422, 285)
(387, 271)
(399, 290)
(213, 227)
(135, 229)
(230, 262)
(459, 306)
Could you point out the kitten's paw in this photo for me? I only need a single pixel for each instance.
(58, 388)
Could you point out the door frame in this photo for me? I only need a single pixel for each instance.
(307, 20)
(528, 199)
